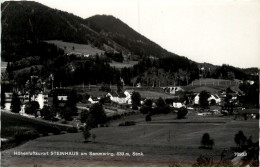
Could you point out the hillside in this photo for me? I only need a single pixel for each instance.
(103, 32)
(122, 34)
(36, 35)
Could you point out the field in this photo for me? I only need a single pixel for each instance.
(212, 85)
(13, 123)
(124, 64)
(163, 141)
(78, 48)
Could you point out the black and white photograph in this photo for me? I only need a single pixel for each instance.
(130, 83)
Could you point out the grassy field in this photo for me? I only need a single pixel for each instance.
(78, 48)
(161, 143)
(14, 124)
(122, 65)
(212, 85)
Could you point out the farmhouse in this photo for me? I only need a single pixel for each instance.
(93, 100)
(178, 104)
(212, 97)
(172, 90)
(41, 98)
(120, 98)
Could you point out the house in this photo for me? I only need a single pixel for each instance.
(93, 100)
(178, 104)
(120, 98)
(215, 97)
(212, 97)
(172, 90)
(197, 99)
(8, 100)
(41, 98)
(128, 94)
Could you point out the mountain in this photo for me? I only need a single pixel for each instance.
(122, 34)
(29, 21)
(27, 25)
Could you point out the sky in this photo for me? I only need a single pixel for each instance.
(213, 31)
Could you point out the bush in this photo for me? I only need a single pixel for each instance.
(148, 118)
(21, 136)
(32, 107)
(134, 107)
(72, 130)
(127, 123)
(86, 133)
(47, 113)
(145, 109)
(56, 130)
(206, 142)
(182, 112)
(212, 102)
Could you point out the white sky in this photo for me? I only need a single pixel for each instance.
(213, 31)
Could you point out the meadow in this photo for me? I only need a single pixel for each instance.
(77, 48)
(161, 143)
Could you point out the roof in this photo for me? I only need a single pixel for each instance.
(115, 94)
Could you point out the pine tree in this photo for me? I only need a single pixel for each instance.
(15, 104)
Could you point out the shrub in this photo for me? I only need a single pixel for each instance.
(148, 118)
(47, 113)
(145, 109)
(86, 133)
(240, 139)
(93, 137)
(72, 130)
(21, 136)
(56, 130)
(206, 142)
(212, 102)
(127, 123)
(32, 107)
(182, 112)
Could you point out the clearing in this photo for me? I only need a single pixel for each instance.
(78, 48)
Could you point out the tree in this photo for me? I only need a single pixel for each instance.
(98, 113)
(212, 102)
(32, 107)
(94, 137)
(136, 98)
(240, 139)
(148, 118)
(145, 109)
(86, 133)
(72, 101)
(203, 99)
(148, 103)
(66, 113)
(83, 116)
(33, 86)
(182, 112)
(160, 102)
(47, 113)
(15, 103)
(206, 142)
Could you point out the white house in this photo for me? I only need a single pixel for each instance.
(93, 100)
(172, 90)
(121, 98)
(197, 99)
(178, 104)
(215, 97)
